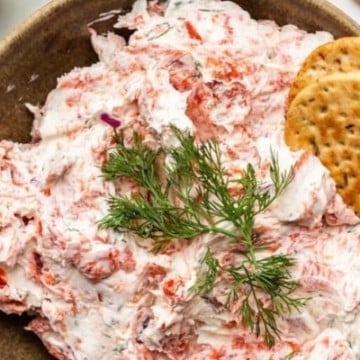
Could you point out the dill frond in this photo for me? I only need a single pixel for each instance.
(194, 199)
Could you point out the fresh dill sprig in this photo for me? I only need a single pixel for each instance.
(264, 287)
(151, 213)
(154, 212)
(206, 280)
(183, 193)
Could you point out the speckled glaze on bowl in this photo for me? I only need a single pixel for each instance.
(55, 40)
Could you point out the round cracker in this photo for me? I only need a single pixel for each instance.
(341, 55)
(325, 118)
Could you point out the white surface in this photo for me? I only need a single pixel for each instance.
(13, 12)
(351, 7)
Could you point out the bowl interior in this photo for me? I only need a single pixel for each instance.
(55, 40)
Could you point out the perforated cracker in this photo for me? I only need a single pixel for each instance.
(325, 118)
(342, 55)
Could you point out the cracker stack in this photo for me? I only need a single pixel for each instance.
(324, 113)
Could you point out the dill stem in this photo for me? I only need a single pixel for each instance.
(217, 230)
(193, 199)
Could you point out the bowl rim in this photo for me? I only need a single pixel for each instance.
(43, 11)
(16, 34)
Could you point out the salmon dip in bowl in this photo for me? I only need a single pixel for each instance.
(157, 212)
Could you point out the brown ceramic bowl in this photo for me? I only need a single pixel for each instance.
(53, 41)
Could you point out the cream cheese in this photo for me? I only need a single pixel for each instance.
(208, 68)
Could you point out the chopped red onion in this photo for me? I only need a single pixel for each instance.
(113, 122)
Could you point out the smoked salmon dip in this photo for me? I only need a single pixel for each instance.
(205, 67)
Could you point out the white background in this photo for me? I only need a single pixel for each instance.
(13, 12)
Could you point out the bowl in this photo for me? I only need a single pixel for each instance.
(53, 41)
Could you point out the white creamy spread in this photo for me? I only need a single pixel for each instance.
(207, 67)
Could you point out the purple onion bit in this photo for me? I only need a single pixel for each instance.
(113, 122)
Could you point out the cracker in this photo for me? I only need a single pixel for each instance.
(325, 118)
(342, 55)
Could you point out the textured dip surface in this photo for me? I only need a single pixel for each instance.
(206, 67)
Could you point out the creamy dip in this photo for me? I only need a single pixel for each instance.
(207, 67)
